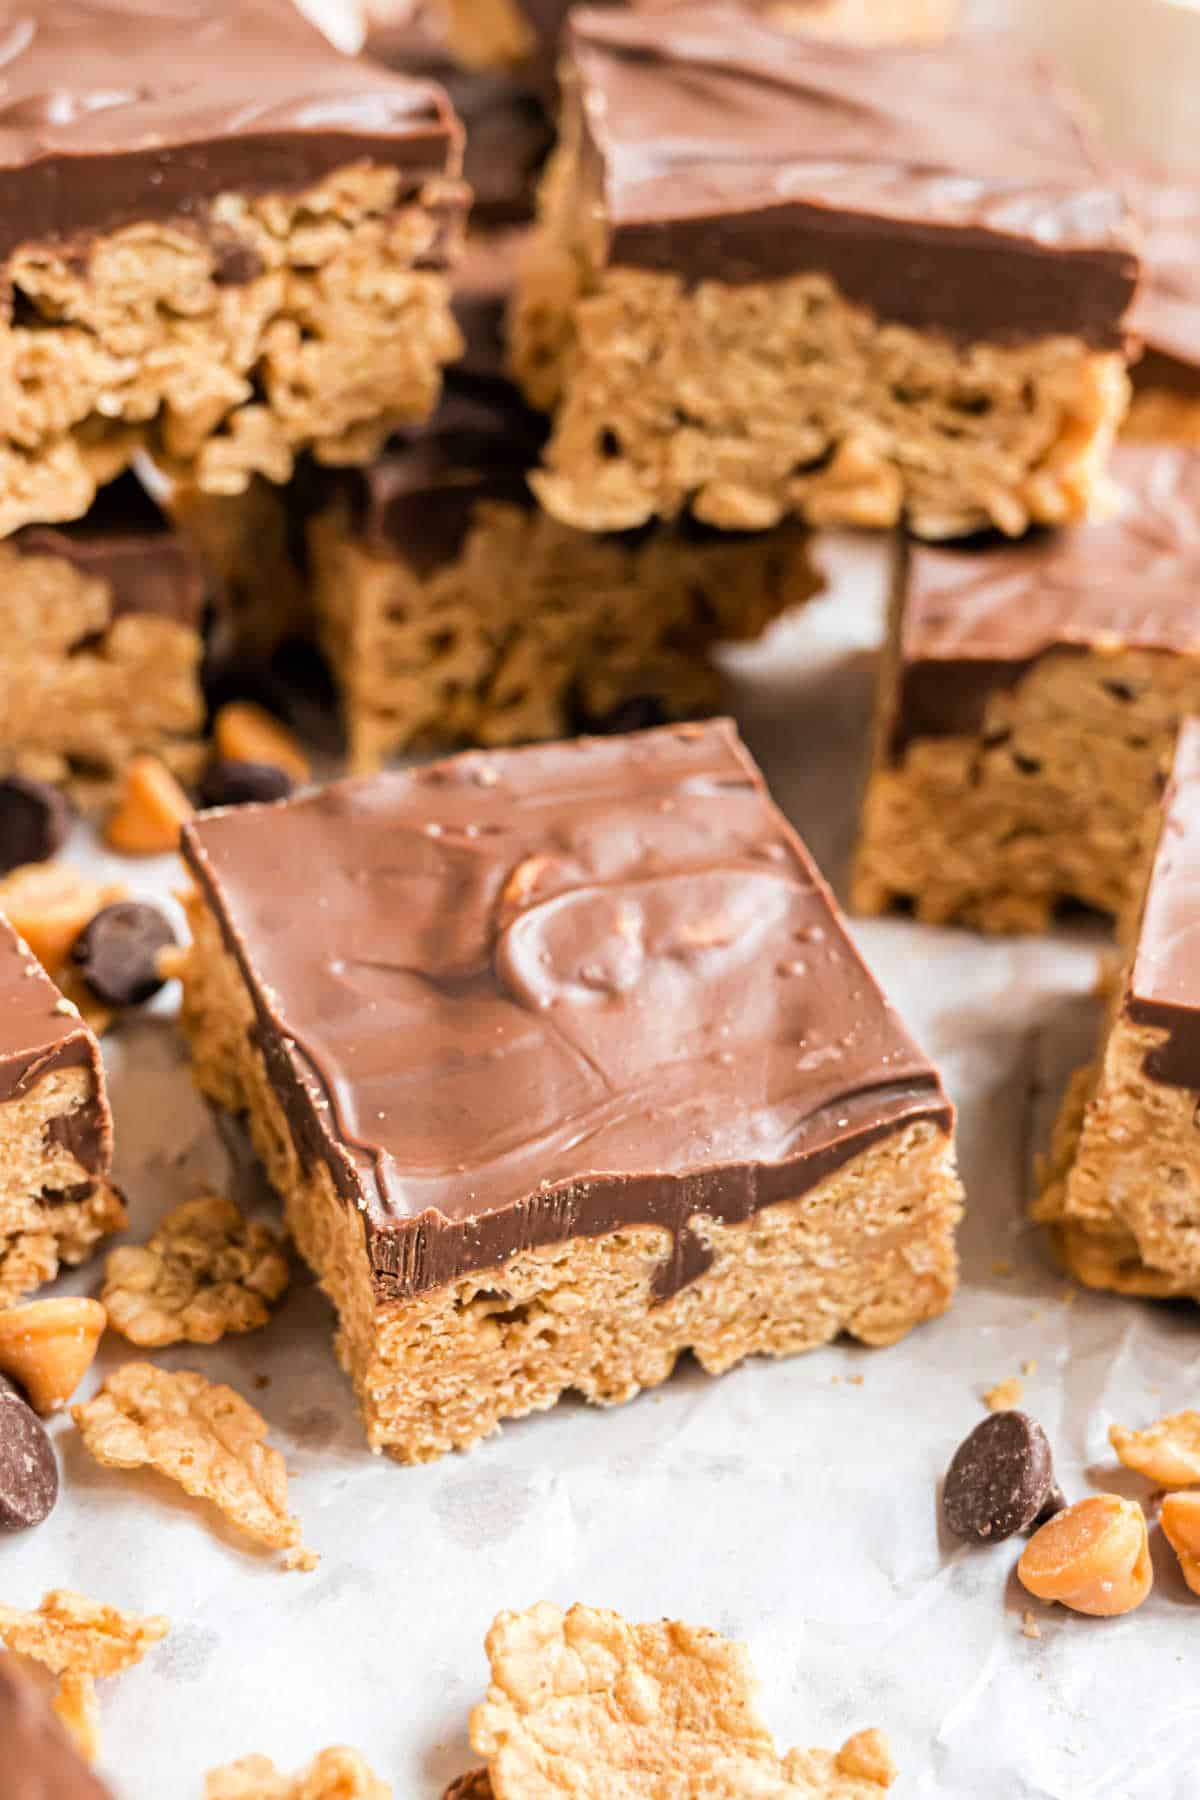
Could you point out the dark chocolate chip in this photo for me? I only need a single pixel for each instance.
(1000, 1479)
(34, 819)
(28, 1470)
(637, 712)
(117, 952)
(226, 782)
(1054, 1503)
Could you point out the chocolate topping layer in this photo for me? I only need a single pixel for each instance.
(976, 617)
(556, 991)
(113, 111)
(1167, 313)
(40, 1033)
(125, 541)
(1164, 983)
(950, 187)
(37, 1759)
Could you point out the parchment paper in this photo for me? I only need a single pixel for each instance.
(790, 1504)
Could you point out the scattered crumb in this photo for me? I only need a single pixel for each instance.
(302, 1558)
(1030, 1367)
(77, 1707)
(205, 1271)
(337, 1774)
(1029, 1626)
(1005, 1395)
(78, 1640)
(856, 1380)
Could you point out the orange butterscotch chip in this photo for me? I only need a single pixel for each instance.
(48, 904)
(1093, 1558)
(244, 732)
(49, 1346)
(1181, 1527)
(151, 812)
(1167, 1452)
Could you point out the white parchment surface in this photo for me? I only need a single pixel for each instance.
(790, 1504)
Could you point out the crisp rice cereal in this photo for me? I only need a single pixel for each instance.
(205, 1271)
(196, 1432)
(584, 1705)
(336, 1774)
(77, 1640)
(1167, 1452)
(77, 1706)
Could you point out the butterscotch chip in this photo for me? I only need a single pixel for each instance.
(1180, 1518)
(151, 811)
(205, 1271)
(49, 1346)
(336, 1774)
(196, 1432)
(245, 733)
(1167, 1452)
(584, 1703)
(1093, 1558)
(77, 1706)
(68, 1631)
(50, 903)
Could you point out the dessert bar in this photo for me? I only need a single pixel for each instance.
(1166, 317)
(570, 1065)
(776, 275)
(451, 609)
(223, 240)
(56, 1199)
(1028, 698)
(1123, 1189)
(102, 624)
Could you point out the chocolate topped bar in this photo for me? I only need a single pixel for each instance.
(126, 542)
(1166, 315)
(149, 109)
(723, 148)
(977, 616)
(41, 1032)
(551, 992)
(1164, 981)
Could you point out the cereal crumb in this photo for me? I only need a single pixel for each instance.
(206, 1270)
(1029, 1625)
(69, 1631)
(336, 1774)
(1030, 1367)
(196, 1432)
(856, 1380)
(1005, 1395)
(302, 1558)
(1167, 1452)
(77, 1706)
(577, 1698)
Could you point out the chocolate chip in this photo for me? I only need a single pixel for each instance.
(117, 952)
(1000, 1480)
(225, 782)
(34, 818)
(28, 1470)
(1054, 1503)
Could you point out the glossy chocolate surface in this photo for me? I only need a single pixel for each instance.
(37, 1759)
(948, 187)
(38, 1034)
(976, 617)
(1164, 982)
(113, 111)
(1167, 312)
(555, 991)
(147, 566)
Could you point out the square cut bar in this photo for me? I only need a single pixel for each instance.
(452, 610)
(775, 275)
(569, 1067)
(1123, 1191)
(102, 624)
(56, 1199)
(219, 239)
(1166, 316)
(496, 34)
(1028, 699)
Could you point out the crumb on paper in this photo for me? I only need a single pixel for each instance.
(1029, 1625)
(1167, 1451)
(205, 1271)
(1030, 1367)
(336, 1774)
(302, 1558)
(68, 1631)
(1005, 1395)
(578, 1697)
(856, 1380)
(77, 1706)
(198, 1433)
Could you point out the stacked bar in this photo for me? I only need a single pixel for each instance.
(56, 1198)
(777, 276)
(567, 1066)
(1029, 695)
(1123, 1195)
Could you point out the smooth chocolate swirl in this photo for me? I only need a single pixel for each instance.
(556, 991)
